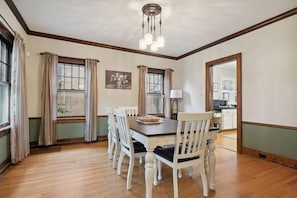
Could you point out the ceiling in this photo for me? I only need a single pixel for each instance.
(187, 25)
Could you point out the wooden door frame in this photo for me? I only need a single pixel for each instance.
(209, 91)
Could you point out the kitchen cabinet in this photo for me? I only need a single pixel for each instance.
(229, 119)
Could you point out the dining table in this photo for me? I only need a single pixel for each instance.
(163, 133)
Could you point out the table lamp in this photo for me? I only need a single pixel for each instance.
(176, 94)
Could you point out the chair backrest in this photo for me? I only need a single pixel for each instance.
(112, 123)
(124, 130)
(191, 135)
(132, 111)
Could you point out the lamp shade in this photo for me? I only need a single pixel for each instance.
(176, 94)
(142, 44)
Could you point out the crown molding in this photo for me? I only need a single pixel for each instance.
(19, 17)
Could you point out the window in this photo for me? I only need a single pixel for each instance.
(70, 89)
(5, 53)
(155, 92)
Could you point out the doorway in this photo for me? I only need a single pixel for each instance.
(223, 96)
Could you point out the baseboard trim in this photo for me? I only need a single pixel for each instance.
(270, 157)
(70, 141)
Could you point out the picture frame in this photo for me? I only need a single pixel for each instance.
(117, 79)
(227, 84)
(225, 96)
(215, 87)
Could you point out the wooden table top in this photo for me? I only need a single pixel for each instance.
(165, 127)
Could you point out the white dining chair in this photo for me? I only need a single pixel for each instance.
(131, 111)
(189, 149)
(114, 136)
(131, 148)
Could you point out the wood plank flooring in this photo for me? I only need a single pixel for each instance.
(83, 170)
(225, 142)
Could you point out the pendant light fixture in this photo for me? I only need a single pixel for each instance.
(149, 39)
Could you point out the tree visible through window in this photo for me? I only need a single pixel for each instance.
(70, 90)
(155, 92)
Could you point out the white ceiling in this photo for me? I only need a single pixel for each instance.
(187, 25)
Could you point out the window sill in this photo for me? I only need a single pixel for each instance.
(70, 120)
(4, 130)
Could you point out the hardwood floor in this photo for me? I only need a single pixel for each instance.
(226, 142)
(83, 170)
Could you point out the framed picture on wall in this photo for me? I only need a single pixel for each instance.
(215, 87)
(225, 96)
(227, 84)
(117, 79)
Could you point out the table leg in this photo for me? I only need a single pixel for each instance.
(149, 172)
(211, 163)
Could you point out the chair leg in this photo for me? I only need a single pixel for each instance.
(140, 160)
(159, 169)
(109, 152)
(122, 154)
(180, 174)
(175, 183)
(115, 156)
(204, 180)
(191, 171)
(112, 146)
(130, 172)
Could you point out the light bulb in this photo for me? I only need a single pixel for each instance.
(148, 37)
(142, 44)
(161, 41)
(154, 46)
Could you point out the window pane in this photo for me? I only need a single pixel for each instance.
(61, 83)
(75, 83)
(75, 71)
(67, 82)
(60, 70)
(70, 103)
(82, 72)
(68, 70)
(81, 84)
(4, 53)
(154, 104)
(4, 104)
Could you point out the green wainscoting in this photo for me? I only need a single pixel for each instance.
(274, 140)
(102, 128)
(4, 148)
(34, 126)
(68, 130)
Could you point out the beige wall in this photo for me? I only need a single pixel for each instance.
(9, 17)
(109, 60)
(269, 73)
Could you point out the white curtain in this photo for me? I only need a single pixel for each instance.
(167, 88)
(18, 103)
(47, 133)
(91, 100)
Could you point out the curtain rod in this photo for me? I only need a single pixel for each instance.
(12, 31)
(42, 53)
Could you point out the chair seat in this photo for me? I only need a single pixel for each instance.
(168, 153)
(139, 147)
